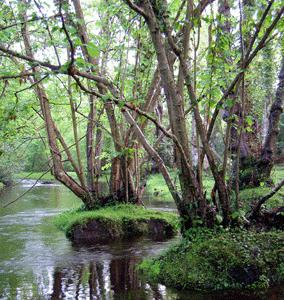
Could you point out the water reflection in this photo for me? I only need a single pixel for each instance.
(38, 262)
(116, 279)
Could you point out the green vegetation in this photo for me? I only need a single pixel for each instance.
(215, 260)
(253, 193)
(205, 259)
(156, 187)
(123, 220)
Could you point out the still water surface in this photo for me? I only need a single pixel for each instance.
(38, 262)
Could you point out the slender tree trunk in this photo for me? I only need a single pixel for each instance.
(52, 131)
(191, 193)
(98, 151)
(75, 133)
(120, 185)
(268, 76)
(268, 150)
(90, 152)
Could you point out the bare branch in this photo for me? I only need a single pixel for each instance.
(72, 48)
(258, 27)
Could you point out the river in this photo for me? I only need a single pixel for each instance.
(38, 262)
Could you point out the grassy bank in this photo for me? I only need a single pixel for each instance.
(37, 175)
(208, 260)
(157, 188)
(118, 221)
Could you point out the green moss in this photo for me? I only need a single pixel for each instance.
(216, 260)
(123, 219)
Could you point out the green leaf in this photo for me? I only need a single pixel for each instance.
(230, 102)
(64, 67)
(249, 120)
(80, 62)
(219, 219)
(105, 97)
(93, 49)
(235, 215)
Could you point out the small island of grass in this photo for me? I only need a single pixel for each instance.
(117, 222)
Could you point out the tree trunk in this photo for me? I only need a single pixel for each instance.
(121, 187)
(52, 131)
(266, 162)
(191, 193)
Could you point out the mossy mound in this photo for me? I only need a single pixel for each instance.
(115, 223)
(213, 260)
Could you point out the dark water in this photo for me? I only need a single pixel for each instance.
(38, 262)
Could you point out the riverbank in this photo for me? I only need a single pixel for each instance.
(219, 260)
(117, 223)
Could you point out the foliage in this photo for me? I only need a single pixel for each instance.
(218, 259)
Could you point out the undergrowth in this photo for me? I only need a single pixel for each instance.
(218, 259)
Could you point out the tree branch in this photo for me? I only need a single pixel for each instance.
(136, 8)
(30, 59)
(28, 21)
(256, 209)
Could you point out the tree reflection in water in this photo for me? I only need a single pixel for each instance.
(116, 279)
